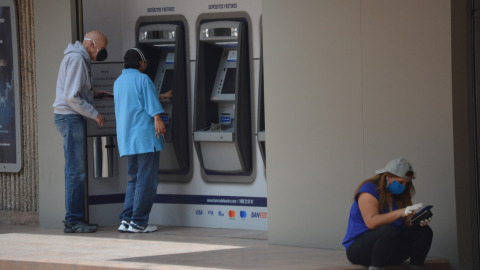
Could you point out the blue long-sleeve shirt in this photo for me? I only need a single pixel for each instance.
(136, 102)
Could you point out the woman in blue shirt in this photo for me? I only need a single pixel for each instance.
(139, 132)
(379, 232)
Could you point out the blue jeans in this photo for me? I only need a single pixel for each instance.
(142, 188)
(72, 128)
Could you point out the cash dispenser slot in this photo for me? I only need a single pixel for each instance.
(165, 48)
(222, 125)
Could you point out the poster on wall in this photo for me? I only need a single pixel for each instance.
(10, 135)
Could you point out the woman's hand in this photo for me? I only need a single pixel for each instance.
(159, 125)
(167, 95)
(411, 209)
(425, 222)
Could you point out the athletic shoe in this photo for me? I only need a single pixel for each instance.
(80, 227)
(123, 226)
(134, 228)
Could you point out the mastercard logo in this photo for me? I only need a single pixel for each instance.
(231, 213)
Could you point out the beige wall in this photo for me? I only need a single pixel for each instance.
(350, 85)
(53, 24)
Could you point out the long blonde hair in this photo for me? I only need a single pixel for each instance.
(380, 180)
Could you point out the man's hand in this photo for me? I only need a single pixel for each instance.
(101, 94)
(100, 120)
(159, 125)
(167, 95)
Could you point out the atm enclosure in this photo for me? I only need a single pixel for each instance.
(165, 49)
(222, 116)
(261, 113)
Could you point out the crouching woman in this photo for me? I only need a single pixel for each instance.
(379, 231)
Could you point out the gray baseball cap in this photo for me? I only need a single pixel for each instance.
(399, 167)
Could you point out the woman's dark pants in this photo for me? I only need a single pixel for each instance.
(384, 246)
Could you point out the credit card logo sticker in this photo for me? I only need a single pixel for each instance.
(243, 214)
(198, 212)
(210, 212)
(259, 214)
(220, 214)
(231, 214)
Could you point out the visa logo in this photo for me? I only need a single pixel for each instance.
(221, 214)
(210, 212)
(225, 119)
(259, 214)
(199, 212)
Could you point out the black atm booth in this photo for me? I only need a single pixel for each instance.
(165, 49)
(222, 114)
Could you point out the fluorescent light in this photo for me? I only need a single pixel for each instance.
(226, 43)
(164, 45)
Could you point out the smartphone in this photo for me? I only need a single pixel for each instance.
(421, 212)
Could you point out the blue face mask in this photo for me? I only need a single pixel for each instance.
(395, 187)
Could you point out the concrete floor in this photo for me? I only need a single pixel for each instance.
(179, 248)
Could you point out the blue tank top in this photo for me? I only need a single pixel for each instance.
(356, 225)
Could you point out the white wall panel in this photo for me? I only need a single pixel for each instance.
(313, 107)
(407, 98)
(350, 85)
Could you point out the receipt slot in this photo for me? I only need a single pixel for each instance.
(165, 48)
(222, 116)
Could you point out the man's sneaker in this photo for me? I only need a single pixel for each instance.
(80, 227)
(123, 226)
(134, 228)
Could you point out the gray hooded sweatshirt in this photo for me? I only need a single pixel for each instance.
(74, 87)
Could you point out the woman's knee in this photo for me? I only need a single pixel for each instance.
(388, 231)
(427, 232)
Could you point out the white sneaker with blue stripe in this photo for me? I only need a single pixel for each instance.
(134, 228)
(124, 225)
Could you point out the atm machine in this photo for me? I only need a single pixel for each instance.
(222, 115)
(261, 113)
(165, 49)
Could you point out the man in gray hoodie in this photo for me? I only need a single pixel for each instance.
(72, 105)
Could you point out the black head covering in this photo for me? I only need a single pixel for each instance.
(134, 55)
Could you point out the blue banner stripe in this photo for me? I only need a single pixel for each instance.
(186, 199)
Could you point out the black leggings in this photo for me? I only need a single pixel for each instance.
(383, 246)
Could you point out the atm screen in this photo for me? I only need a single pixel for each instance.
(167, 83)
(229, 82)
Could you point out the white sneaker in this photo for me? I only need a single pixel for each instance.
(123, 226)
(134, 228)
